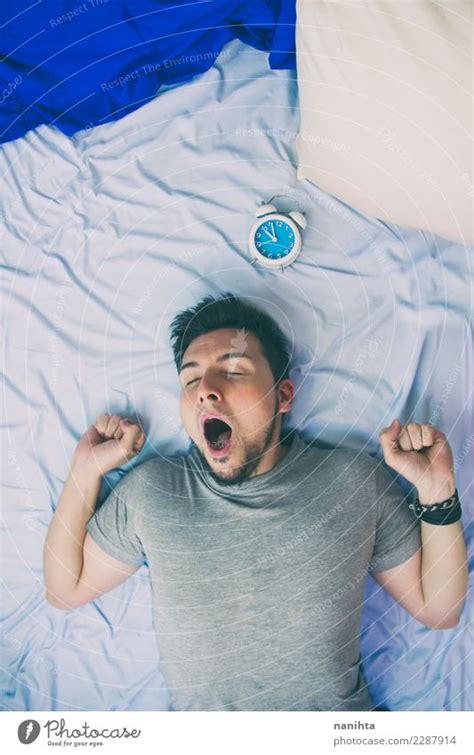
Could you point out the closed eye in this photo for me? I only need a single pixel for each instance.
(192, 381)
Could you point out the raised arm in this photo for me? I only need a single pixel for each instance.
(432, 584)
(76, 570)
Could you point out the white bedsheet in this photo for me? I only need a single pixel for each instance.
(105, 237)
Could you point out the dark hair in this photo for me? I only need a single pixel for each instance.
(229, 311)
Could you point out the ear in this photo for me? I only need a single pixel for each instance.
(286, 394)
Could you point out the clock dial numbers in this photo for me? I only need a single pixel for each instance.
(274, 239)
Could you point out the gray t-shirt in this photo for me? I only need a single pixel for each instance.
(258, 586)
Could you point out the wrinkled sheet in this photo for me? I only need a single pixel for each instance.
(105, 236)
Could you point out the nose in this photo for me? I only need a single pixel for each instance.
(208, 391)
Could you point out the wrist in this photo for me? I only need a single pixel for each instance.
(436, 492)
(85, 471)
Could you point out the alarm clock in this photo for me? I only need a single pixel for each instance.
(275, 238)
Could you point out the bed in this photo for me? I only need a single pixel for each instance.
(106, 234)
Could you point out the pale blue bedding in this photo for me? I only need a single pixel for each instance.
(105, 237)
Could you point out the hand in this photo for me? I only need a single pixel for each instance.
(272, 238)
(110, 442)
(423, 456)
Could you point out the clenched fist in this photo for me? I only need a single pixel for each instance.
(110, 442)
(422, 454)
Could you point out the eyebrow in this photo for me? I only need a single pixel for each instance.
(228, 355)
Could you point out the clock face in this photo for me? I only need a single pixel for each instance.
(274, 239)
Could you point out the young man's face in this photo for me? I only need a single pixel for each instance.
(230, 405)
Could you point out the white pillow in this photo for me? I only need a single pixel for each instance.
(385, 91)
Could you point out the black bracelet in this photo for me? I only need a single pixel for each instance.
(444, 512)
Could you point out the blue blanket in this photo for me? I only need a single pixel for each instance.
(79, 64)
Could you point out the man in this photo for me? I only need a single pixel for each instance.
(258, 543)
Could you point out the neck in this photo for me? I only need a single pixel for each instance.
(274, 454)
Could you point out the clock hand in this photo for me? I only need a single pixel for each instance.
(273, 231)
(268, 233)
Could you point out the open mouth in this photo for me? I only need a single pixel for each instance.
(217, 434)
